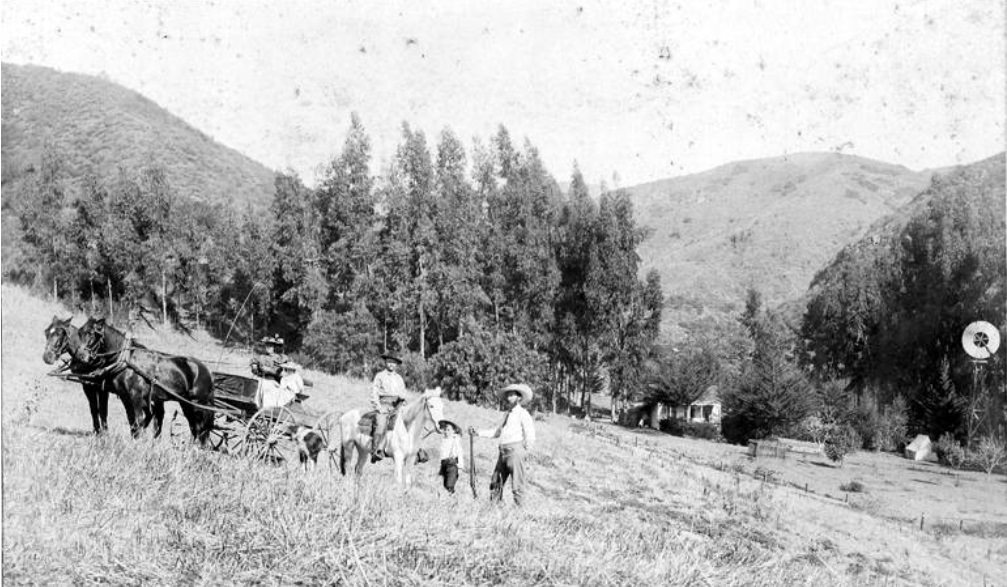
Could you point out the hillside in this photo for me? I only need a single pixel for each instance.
(768, 223)
(607, 505)
(98, 126)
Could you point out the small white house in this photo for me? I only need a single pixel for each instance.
(706, 408)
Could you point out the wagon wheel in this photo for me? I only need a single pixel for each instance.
(225, 436)
(220, 438)
(268, 436)
(328, 426)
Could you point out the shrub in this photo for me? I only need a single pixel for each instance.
(813, 429)
(852, 487)
(892, 427)
(672, 426)
(988, 454)
(840, 442)
(949, 452)
(479, 362)
(703, 430)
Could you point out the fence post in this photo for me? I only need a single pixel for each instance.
(922, 517)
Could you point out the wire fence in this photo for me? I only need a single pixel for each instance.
(927, 522)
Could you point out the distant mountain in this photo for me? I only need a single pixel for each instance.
(767, 223)
(98, 126)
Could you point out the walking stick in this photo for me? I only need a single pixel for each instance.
(472, 464)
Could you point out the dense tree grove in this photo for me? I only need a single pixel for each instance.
(889, 313)
(478, 271)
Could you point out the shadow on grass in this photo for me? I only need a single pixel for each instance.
(820, 464)
(74, 432)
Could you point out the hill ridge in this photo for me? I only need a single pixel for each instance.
(768, 223)
(97, 125)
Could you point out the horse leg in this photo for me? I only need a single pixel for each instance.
(92, 402)
(399, 459)
(200, 423)
(103, 407)
(158, 413)
(363, 455)
(127, 404)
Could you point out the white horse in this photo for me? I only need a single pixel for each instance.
(401, 441)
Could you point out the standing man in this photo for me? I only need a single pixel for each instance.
(387, 391)
(517, 435)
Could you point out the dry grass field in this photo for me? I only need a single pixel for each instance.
(607, 506)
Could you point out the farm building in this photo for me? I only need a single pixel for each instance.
(706, 408)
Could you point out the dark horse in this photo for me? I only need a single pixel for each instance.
(61, 338)
(146, 378)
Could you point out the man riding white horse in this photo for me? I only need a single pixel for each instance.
(387, 392)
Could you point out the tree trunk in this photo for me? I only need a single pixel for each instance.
(164, 299)
(110, 308)
(55, 291)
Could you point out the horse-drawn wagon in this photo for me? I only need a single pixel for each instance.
(220, 410)
(241, 427)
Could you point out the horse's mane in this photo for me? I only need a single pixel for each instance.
(412, 407)
(114, 338)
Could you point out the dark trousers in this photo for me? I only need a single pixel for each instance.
(510, 465)
(378, 434)
(449, 470)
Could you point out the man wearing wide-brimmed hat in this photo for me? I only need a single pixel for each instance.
(387, 391)
(517, 436)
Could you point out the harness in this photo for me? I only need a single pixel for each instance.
(124, 361)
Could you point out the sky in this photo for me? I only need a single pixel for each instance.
(634, 91)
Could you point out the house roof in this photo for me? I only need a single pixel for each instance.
(709, 397)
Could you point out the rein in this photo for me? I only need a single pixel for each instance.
(125, 353)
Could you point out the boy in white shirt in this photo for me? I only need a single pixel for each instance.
(517, 435)
(452, 455)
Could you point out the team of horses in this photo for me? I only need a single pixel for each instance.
(106, 361)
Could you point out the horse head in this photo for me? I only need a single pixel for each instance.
(434, 405)
(58, 338)
(95, 340)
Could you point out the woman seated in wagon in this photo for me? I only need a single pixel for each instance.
(276, 394)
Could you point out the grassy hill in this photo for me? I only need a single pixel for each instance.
(607, 505)
(766, 223)
(98, 126)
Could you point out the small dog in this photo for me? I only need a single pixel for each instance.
(309, 444)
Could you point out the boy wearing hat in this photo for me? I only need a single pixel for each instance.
(517, 435)
(386, 391)
(452, 455)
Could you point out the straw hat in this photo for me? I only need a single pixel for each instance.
(524, 390)
(392, 358)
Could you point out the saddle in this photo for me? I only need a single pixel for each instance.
(366, 424)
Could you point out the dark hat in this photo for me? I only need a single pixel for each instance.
(446, 423)
(390, 357)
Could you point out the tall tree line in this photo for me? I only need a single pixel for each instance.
(478, 270)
